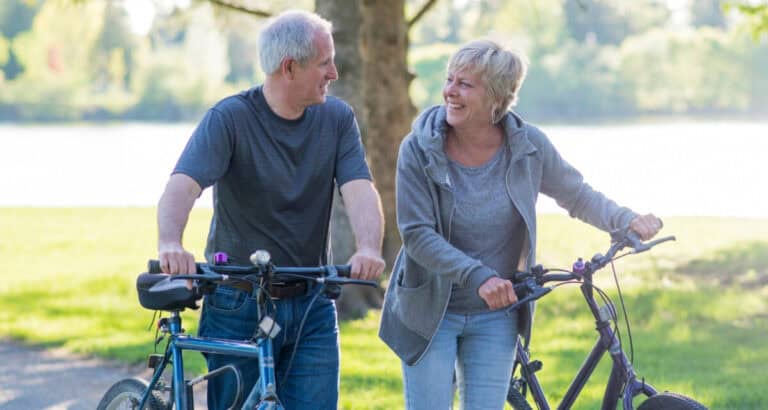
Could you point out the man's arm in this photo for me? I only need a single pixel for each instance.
(172, 215)
(363, 206)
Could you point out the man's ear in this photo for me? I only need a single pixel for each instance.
(288, 68)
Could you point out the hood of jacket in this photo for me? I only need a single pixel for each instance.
(431, 127)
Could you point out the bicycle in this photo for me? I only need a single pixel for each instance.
(158, 291)
(623, 383)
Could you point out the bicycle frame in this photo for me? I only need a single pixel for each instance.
(179, 342)
(622, 374)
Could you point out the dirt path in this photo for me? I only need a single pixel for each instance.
(32, 378)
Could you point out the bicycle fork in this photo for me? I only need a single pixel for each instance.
(265, 396)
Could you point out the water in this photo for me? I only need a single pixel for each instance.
(682, 168)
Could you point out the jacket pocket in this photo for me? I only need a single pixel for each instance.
(418, 308)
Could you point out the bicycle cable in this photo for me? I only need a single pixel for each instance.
(624, 310)
(298, 337)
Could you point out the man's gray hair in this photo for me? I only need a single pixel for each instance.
(502, 70)
(290, 35)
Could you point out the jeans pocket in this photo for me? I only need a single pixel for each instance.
(228, 313)
(226, 299)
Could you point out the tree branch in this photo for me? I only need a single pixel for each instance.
(428, 5)
(242, 9)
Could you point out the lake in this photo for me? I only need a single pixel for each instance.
(672, 168)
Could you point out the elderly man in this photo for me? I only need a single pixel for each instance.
(273, 154)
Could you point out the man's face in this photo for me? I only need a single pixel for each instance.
(312, 79)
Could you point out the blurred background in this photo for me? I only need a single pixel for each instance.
(662, 104)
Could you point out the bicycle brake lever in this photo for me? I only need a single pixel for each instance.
(535, 294)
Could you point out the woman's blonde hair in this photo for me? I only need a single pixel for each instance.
(502, 70)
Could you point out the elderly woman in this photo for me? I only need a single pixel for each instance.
(468, 176)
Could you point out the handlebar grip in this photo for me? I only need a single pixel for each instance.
(344, 270)
(153, 266)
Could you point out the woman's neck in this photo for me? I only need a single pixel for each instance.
(473, 147)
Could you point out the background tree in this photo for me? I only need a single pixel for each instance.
(707, 13)
(371, 39)
(15, 17)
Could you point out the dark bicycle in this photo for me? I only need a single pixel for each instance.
(158, 291)
(623, 383)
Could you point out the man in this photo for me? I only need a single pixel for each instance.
(272, 155)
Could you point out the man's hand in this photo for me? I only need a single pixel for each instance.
(175, 260)
(366, 264)
(647, 226)
(497, 293)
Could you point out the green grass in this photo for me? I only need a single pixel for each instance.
(698, 307)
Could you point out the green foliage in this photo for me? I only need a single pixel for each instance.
(694, 71)
(707, 13)
(429, 64)
(589, 59)
(698, 322)
(756, 14)
(5, 49)
(16, 16)
(574, 81)
(611, 21)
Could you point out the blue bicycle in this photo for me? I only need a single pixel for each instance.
(158, 291)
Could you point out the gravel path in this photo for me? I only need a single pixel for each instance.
(33, 378)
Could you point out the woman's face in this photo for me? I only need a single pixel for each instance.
(466, 100)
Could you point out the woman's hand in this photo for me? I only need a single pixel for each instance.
(647, 226)
(497, 293)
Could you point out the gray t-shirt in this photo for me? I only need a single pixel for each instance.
(485, 225)
(273, 178)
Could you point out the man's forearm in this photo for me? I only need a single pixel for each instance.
(174, 208)
(363, 206)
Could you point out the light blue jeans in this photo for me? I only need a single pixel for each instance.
(480, 348)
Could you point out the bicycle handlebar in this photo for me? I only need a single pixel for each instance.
(329, 274)
(153, 266)
(529, 285)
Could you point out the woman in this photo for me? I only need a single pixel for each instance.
(468, 176)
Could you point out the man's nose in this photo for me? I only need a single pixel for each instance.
(333, 74)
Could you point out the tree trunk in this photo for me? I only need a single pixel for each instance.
(371, 54)
(355, 300)
(390, 110)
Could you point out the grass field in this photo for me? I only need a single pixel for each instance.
(698, 307)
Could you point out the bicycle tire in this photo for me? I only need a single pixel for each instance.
(517, 400)
(670, 401)
(127, 393)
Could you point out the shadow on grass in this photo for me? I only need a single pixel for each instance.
(745, 264)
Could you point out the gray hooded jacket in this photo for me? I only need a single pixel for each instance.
(428, 265)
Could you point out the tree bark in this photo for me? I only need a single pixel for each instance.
(354, 301)
(371, 40)
(390, 110)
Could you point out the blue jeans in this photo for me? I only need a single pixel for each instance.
(480, 348)
(313, 380)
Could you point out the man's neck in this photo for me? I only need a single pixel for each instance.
(278, 101)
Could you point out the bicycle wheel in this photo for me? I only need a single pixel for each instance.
(126, 394)
(670, 401)
(517, 400)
